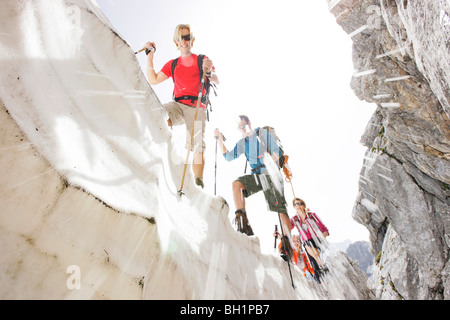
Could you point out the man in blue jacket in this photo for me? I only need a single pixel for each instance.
(257, 145)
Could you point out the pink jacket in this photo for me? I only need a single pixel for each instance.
(309, 228)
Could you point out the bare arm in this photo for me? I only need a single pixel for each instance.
(153, 77)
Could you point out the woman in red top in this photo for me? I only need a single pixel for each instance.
(186, 83)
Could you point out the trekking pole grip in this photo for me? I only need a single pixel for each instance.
(223, 137)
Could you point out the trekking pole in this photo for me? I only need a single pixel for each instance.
(215, 168)
(215, 164)
(140, 51)
(276, 235)
(145, 48)
(292, 187)
(199, 101)
(282, 232)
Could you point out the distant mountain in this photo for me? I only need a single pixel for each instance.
(359, 251)
(339, 246)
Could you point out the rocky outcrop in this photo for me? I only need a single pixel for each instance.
(402, 61)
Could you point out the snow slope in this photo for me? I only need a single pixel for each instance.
(90, 208)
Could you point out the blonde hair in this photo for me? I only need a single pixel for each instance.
(177, 33)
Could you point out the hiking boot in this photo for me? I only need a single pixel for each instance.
(286, 249)
(199, 182)
(242, 223)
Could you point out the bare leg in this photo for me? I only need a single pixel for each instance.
(198, 165)
(241, 215)
(238, 196)
(315, 254)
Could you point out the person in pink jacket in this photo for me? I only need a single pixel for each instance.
(311, 229)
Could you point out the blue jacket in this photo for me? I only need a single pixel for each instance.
(254, 148)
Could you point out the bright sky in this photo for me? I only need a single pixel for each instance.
(283, 63)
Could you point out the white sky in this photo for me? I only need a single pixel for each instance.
(283, 63)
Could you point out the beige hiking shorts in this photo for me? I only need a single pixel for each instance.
(180, 114)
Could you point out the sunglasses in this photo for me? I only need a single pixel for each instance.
(299, 204)
(186, 37)
(242, 126)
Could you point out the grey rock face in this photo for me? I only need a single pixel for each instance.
(402, 60)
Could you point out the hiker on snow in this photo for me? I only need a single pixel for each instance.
(187, 76)
(254, 144)
(312, 233)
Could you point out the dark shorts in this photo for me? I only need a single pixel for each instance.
(312, 244)
(254, 183)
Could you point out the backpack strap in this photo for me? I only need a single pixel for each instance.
(208, 83)
(246, 153)
(259, 165)
(200, 58)
(174, 64)
(205, 99)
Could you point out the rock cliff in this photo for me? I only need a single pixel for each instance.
(401, 60)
